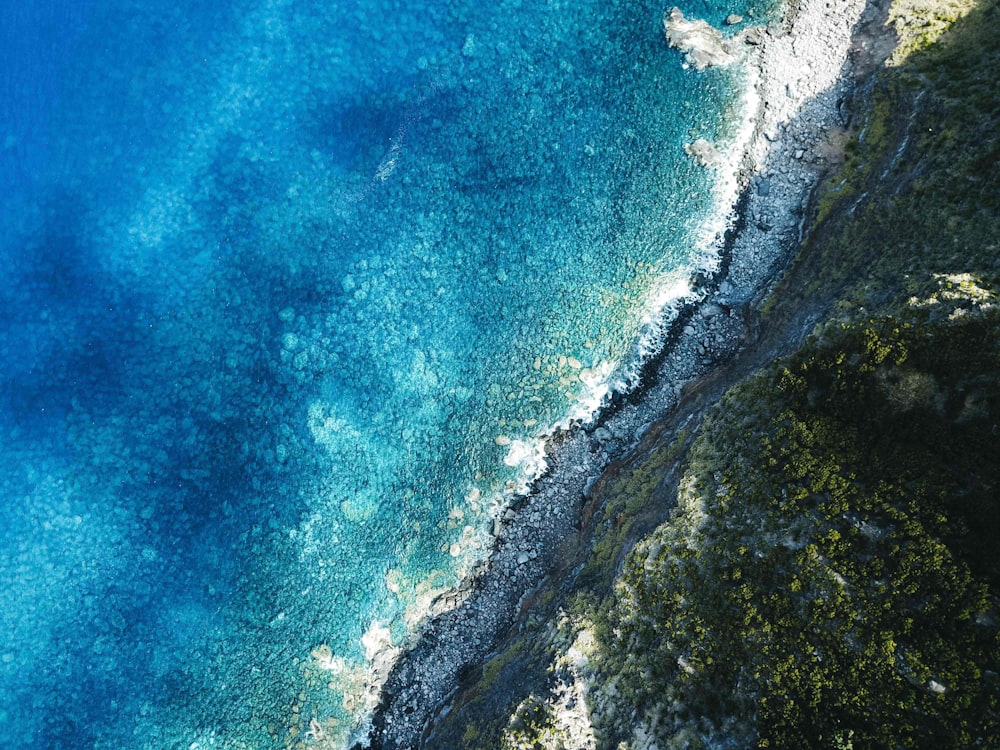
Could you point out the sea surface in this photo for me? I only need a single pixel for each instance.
(291, 293)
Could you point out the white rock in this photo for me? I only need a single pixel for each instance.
(704, 153)
(702, 44)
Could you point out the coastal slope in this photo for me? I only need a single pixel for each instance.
(798, 554)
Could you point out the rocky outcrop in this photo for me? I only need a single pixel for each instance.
(702, 44)
(704, 153)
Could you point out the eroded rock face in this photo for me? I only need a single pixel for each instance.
(702, 44)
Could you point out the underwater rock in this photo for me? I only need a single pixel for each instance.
(702, 44)
(704, 153)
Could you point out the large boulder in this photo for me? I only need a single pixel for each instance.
(702, 44)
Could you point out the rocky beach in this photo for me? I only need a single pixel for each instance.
(803, 73)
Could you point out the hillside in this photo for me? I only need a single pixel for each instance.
(809, 561)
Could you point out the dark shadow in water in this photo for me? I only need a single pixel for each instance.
(69, 330)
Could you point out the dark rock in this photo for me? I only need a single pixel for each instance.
(754, 36)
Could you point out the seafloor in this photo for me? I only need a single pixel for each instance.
(293, 293)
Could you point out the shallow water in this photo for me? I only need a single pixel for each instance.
(292, 290)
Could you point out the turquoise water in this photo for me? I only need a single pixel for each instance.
(292, 292)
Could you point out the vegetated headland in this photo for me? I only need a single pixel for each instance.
(789, 543)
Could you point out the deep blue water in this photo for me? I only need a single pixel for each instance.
(289, 289)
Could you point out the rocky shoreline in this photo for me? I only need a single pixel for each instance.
(803, 77)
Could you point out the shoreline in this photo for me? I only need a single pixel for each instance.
(802, 77)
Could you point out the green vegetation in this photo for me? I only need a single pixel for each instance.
(834, 576)
(829, 577)
(919, 193)
(638, 487)
(919, 24)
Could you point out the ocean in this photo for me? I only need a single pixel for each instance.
(293, 292)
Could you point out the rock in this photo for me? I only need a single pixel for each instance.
(763, 188)
(754, 36)
(522, 558)
(702, 44)
(732, 19)
(725, 288)
(602, 434)
(704, 153)
(711, 310)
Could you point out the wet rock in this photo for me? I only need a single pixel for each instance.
(704, 153)
(602, 434)
(753, 36)
(702, 44)
(732, 19)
